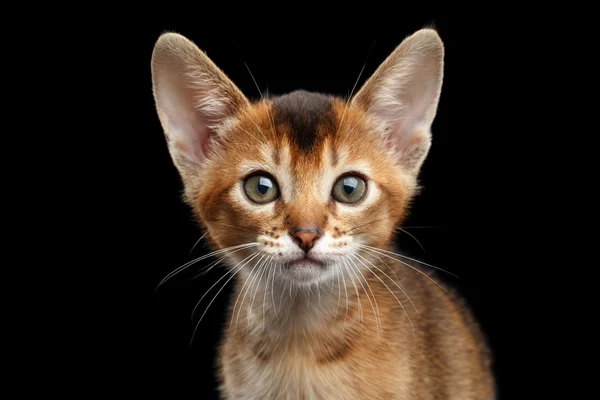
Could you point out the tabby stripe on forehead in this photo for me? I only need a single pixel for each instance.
(309, 116)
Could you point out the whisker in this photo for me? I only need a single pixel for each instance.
(273, 290)
(241, 291)
(368, 223)
(396, 282)
(355, 144)
(353, 88)
(319, 295)
(416, 269)
(295, 293)
(414, 238)
(237, 227)
(282, 295)
(252, 136)
(412, 259)
(197, 241)
(250, 278)
(337, 275)
(377, 315)
(393, 294)
(219, 280)
(215, 263)
(245, 111)
(188, 264)
(213, 299)
(259, 268)
(357, 295)
(426, 227)
(345, 291)
(257, 127)
(269, 273)
(259, 276)
(263, 99)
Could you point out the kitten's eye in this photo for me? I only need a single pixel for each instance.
(261, 189)
(349, 189)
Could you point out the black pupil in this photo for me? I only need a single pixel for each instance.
(349, 185)
(264, 184)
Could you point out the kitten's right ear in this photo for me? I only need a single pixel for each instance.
(194, 99)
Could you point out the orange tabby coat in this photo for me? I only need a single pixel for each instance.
(323, 307)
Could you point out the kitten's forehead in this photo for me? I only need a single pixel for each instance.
(307, 119)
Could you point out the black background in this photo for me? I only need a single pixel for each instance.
(139, 340)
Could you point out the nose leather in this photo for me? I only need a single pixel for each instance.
(305, 238)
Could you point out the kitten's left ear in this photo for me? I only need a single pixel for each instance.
(403, 95)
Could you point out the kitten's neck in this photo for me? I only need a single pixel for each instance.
(284, 307)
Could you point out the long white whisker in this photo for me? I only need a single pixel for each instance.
(263, 98)
(259, 268)
(248, 280)
(269, 273)
(412, 259)
(282, 294)
(258, 278)
(197, 241)
(390, 290)
(377, 315)
(337, 275)
(412, 236)
(356, 290)
(425, 227)
(345, 291)
(267, 269)
(352, 92)
(220, 279)
(217, 262)
(213, 299)
(186, 265)
(273, 290)
(319, 295)
(396, 282)
(416, 269)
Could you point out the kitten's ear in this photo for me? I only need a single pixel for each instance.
(403, 94)
(193, 99)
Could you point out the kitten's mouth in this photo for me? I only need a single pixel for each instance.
(307, 261)
(305, 270)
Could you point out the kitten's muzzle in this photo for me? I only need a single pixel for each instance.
(305, 238)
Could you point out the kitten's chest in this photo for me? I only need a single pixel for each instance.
(302, 373)
(294, 376)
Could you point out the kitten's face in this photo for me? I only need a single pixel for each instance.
(298, 183)
(303, 185)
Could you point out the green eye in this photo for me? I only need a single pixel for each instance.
(261, 189)
(349, 189)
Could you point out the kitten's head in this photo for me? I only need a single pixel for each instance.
(303, 179)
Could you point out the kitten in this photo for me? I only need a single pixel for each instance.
(303, 192)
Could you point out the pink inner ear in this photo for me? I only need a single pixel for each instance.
(187, 130)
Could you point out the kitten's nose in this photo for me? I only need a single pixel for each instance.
(305, 238)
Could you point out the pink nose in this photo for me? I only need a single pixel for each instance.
(305, 238)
